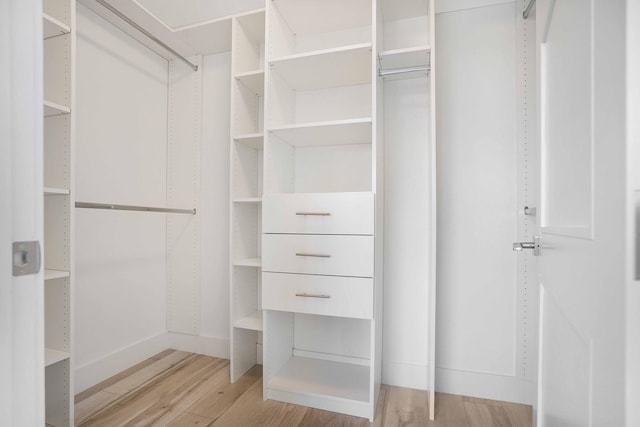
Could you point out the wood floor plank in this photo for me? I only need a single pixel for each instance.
(186, 420)
(173, 403)
(184, 389)
(131, 405)
(220, 398)
(319, 418)
(148, 373)
(251, 410)
(92, 404)
(519, 415)
(405, 407)
(121, 375)
(450, 411)
(486, 415)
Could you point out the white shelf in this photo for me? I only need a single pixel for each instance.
(319, 377)
(253, 80)
(253, 140)
(336, 132)
(52, 356)
(342, 66)
(252, 322)
(51, 191)
(249, 262)
(51, 27)
(55, 274)
(248, 200)
(53, 109)
(405, 58)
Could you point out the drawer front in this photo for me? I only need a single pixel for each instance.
(318, 254)
(323, 213)
(323, 295)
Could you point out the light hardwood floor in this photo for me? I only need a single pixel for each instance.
(176, 388)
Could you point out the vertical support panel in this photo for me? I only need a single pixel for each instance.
(434, 212)
(183, 190)
(527, 292)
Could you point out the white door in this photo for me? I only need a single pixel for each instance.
(21, 213)
(582, 213)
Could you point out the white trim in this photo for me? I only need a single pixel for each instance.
(486, 386)
(98, 370)
(445, 6)
(210, 346)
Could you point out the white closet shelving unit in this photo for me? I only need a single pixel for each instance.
(247, 148)
(58, 106)
(323, 151)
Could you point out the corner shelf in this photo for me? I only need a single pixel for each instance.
(252, 322)
(335, 132)
(253, 140)
(253, 80)
(52, 191)
(53, 109)
(249, 200)
(52, 356)
(249, 262)
(341, 66)
(55, 274)
(51, 27)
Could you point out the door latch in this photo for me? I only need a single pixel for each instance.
(26, 258)
(535, 246)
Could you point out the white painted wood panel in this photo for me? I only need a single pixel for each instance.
(323, 295)
(477, 194)
(329, 213)
(318, 254)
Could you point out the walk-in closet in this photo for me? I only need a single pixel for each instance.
(319, 212)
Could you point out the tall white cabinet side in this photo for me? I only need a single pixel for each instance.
(59, 34)
(246, 162)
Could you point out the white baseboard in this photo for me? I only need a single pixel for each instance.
(99, 370)
(473, 384)
(211, 346)
(486, 386)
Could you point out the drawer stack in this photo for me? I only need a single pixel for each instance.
(318, 296)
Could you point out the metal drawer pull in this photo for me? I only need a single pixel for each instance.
(313, 213)
(314, 255)
(313, 295)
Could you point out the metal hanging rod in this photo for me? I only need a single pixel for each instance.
(393, 71)
(88, 205)
(527, 11)
(129, 21)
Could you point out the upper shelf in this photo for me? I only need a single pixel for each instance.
(53, 109)
(337, 132)
(342, 66)
(211, 35)
(51, 27)
(405, 59)
(253, 80)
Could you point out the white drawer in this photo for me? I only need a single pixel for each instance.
(324, 295)
(318, 254)
(318, 213)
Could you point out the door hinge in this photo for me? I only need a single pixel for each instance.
(535, 246)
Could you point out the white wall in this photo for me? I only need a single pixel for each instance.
(120, 158)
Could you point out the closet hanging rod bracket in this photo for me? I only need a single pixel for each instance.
(108, 206)
(527, 10)
(131, 22)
